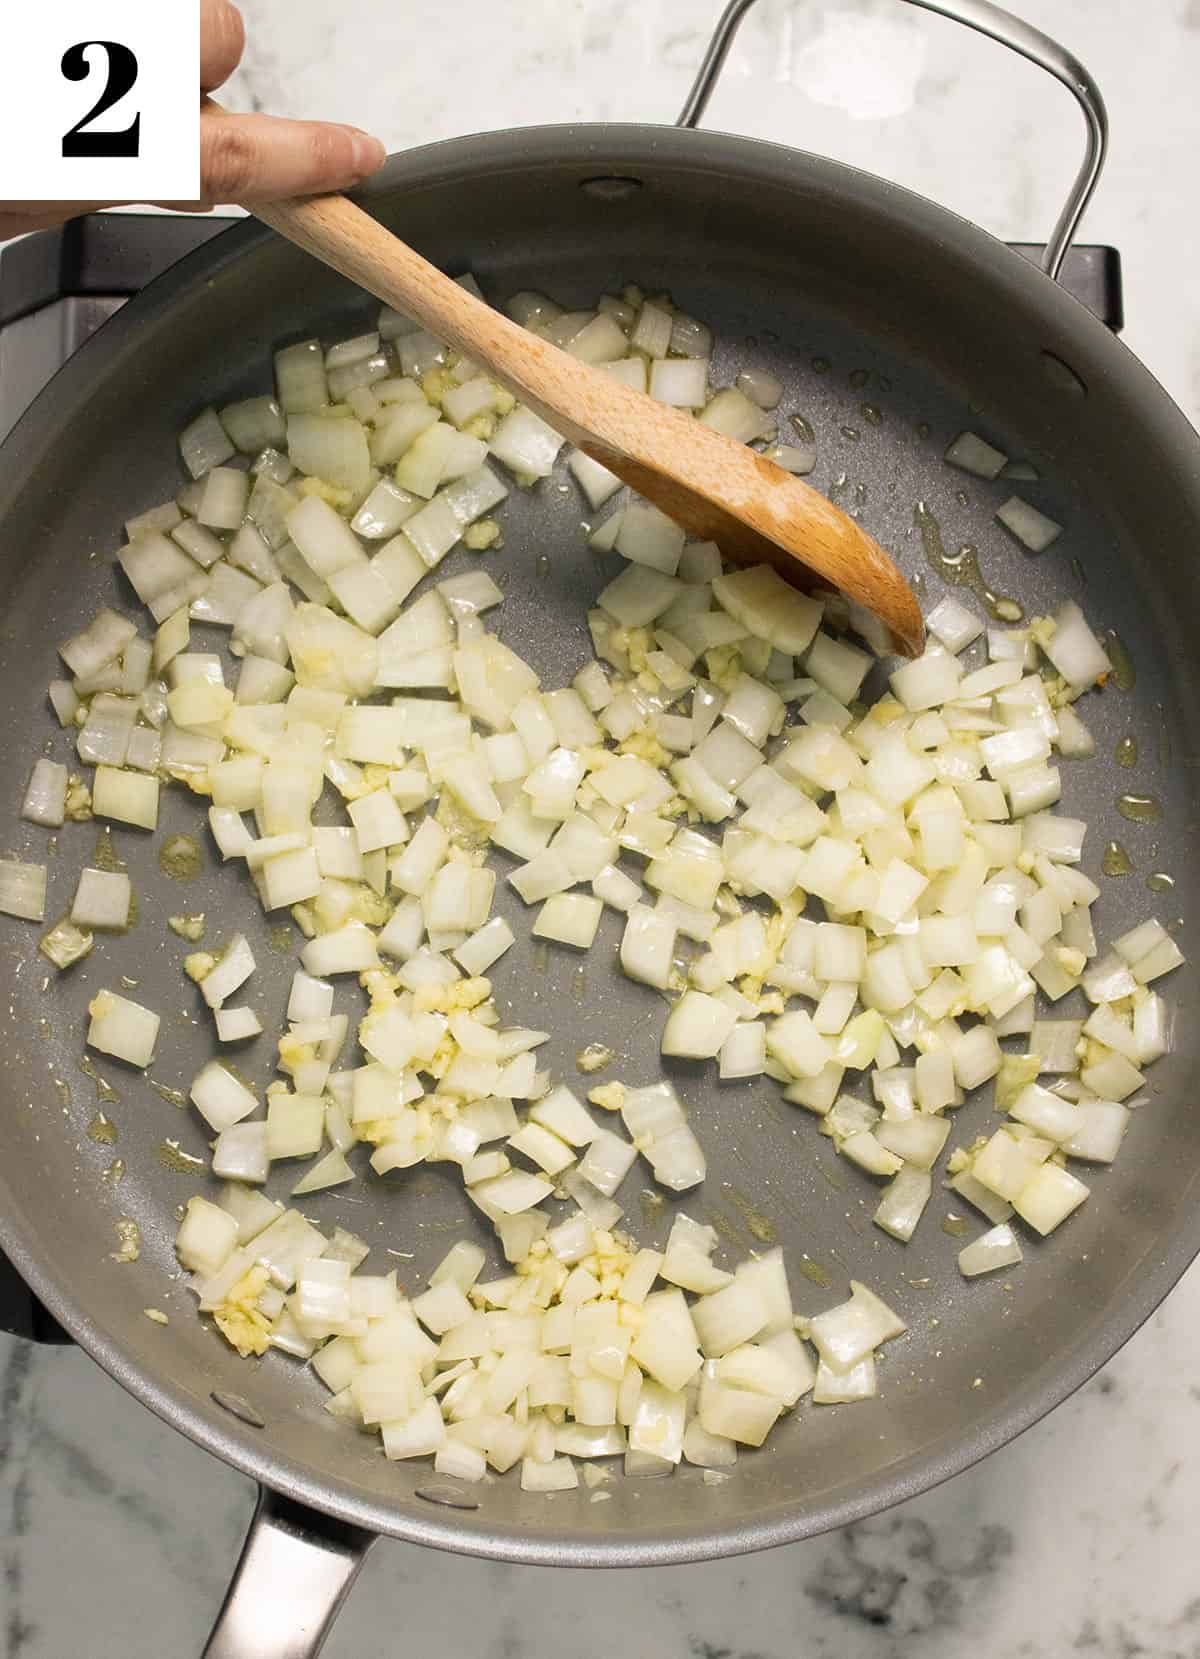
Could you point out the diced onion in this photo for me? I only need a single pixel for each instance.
(23, 890)
(823, 889)
(236, 1024)
(204, 444)
(122, 1028)
(46, 794)
(1031, 528)
(971, 454)
(1074, 649)
(569, 919)
(102, 900)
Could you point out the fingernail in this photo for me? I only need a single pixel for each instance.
(369, 153)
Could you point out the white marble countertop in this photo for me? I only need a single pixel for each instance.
(1079, 1536)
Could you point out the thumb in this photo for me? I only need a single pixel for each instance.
(260, 158)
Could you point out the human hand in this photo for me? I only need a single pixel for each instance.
(243, 158)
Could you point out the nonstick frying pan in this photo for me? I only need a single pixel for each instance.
(893, 326)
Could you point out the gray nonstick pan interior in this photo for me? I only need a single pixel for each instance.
(893, 326)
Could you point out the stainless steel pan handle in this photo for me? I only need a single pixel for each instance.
(296, 1569)
(998, 25)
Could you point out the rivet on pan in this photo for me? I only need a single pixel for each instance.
(1062, 376)
(611, 189)
(450, 1496)
(239, 1408)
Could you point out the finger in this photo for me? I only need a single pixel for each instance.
(222, 41)
(259, 158)
(43, 216)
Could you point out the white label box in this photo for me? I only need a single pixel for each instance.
(100, 102)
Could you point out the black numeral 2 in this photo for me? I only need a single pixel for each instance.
(122, 74)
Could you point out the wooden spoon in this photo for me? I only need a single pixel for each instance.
(714, 487)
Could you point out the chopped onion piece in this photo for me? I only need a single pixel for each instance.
(514, 1192)
(204, 444)
(569, 919)
(1032, 529)
(743, 1053)
(558, 1475)
(526, 444)
(971, 454)
(240, 1153)
(996, 1209)
(562, 1113)
(230, 973)
(46, 794)
(1074, 649)
(485, 946)
(953, 625)
(737, 416)
(607, 1161)
(765, 604)
(639, 595)
(64, 701)
(597, 482)
(220, 1098)
(236, 1024)
(122, 1028)
(105, 637)
(102, 900)
(682, 383)
(1049, 1197)
(23, 890)
(1102, 1126)
(648, 537)
(206, 1237)
(330, 1171)
(848, 1333)
(690, 338)
(903, 1202)
(995, 1249)
(648, 946)
(930, 680)
(652, 331)
(761, 387)
(697, 1026)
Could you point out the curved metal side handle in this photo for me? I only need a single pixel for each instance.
(296, 1569)
(998, 25)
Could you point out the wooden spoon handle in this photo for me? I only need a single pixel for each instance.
(713, 487)
(337, 232)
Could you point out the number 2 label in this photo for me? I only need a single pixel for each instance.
(102, 102)
(122, 76)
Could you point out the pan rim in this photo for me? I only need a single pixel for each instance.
(612, 146)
